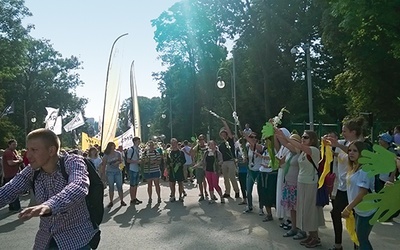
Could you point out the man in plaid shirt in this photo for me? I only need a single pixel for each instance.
(64, 218)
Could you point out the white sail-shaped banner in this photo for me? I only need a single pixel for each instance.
(135, 104)
(112, 97)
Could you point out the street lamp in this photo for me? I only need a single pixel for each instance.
(306, 49)
(27, 114)
(221, 84)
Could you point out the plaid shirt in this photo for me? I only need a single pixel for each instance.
(69, 224)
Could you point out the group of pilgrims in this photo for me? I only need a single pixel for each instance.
(291, 189)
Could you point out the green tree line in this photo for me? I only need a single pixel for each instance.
(354, 60)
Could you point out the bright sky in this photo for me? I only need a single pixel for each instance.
(88, 28)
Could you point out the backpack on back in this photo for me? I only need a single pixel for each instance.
(94, 199)
(126, 156)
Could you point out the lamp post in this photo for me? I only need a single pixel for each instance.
(32, 115)
(221, 84)
(306, 49)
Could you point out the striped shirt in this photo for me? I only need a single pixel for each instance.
(69, 223)
(151, 161)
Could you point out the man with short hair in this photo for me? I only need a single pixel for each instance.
(197, 153)
(64, 217)
(11, 164)
(189, 161)
(133, 158)
(227, 148)
(175, 161)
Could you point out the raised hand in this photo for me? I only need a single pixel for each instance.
(385, 202)
(381, 161)
(35, 211)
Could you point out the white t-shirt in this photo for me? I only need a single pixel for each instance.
(254, 162)
(96, 162)
(356, 181)
(307, 173)
(136, 151)
(188, 157)
(342, 165)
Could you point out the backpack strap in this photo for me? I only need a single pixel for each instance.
(62, 168)
(312, 161)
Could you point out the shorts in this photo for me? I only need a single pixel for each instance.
(176, 176)
(200, 175)
(134, 178)
(153, 175)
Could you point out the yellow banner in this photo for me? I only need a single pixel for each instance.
(88, 142)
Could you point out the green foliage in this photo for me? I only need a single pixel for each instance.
(32, 74)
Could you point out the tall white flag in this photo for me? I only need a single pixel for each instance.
(51, 117)
(75, 123)
(57, 126)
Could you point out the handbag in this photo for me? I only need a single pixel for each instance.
(322, 192)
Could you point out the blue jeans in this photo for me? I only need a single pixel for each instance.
(251, 178)
(14, 205)
(363, 229)
(114, 177)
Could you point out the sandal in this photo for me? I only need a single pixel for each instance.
(268, 218)
(123, 203)
(300, 235)
(290, 233)
(287, 226)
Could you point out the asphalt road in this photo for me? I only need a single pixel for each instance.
(188, 225)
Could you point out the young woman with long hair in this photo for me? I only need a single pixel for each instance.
(352, 130)
(110, 169)
(358, 185)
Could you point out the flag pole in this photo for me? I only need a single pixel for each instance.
(105, 92)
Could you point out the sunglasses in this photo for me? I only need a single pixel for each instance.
(305, 137)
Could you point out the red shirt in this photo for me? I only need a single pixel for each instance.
(10, 171)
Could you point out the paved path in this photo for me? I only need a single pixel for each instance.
(188, 225)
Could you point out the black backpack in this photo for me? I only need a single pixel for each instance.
(94, 199)
(126, 156)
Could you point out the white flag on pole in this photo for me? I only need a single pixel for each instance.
(52, 114)
(57, 127)
(126, 139)
(75, 123)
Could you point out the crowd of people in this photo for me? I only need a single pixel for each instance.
(291, 188)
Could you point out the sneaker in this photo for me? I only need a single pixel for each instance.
(138, 201)
(201, 198)
(222, 200)
(248, 210)
(172, 199)
(226, 196)
(306, 241)
(134, 202)
(181, 199)
(214, 198)
(313, 243)
(237, 195)
(268, 218)
(184, 194)
(335, 248)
